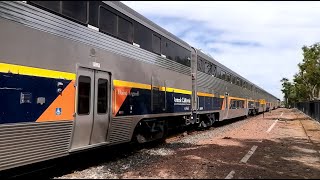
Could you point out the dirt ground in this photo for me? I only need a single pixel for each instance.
(284, 144)
(285, 152)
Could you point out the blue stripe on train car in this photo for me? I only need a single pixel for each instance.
(161, 102)
(19, 95)
(210, 103)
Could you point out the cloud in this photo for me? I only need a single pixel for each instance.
(261, 41)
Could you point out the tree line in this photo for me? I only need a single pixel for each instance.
(305, 85)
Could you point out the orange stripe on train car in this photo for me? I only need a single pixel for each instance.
(65, 101)
(120, 95)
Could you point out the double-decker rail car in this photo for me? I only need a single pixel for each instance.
(83, 74)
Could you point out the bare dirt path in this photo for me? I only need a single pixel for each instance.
(283, 144)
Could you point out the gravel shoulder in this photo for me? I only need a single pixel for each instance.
(289, 150)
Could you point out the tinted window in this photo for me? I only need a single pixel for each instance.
(175, 52)
(125, 29)
(233, 80)
(201, 64)
(76, 10)
(208, 67)
(238, 82)
(84, 87)
(156, 43)
(223, 75)
(102, 96)
(107, 21)
(228, 77)
(218, 71)
(214, 69)
(50, 5)
(143, 36)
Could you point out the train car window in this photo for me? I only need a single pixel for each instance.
(77, 10)
(228, 77)
(214, 69)
(156, 44)
(240, 104)
(208, 67)
(49, 5)
(218, 71)
(84, 88)
(94, 13)
(223, 75)
(125, 29)
(233, 80)
(183, 55)
(102, 102)
(107, 21)
(238, 82)
(201, 64)
(233, 104)
(143, 36)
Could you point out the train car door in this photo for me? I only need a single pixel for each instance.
(226, 112)
(92, 115)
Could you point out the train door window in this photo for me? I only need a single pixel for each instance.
(102, 102)
(125, 29)
(107, 21)
(156, 44)
(84, 88)
(77, 10)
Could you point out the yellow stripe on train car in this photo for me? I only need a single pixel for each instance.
(32, 71)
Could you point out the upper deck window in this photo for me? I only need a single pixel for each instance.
(125, 29)
(75, 10)
(107, 21)
(156, 44)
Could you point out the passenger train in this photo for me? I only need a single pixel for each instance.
(81, 74)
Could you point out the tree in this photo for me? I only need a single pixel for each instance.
(308, 77)
(286, 90)
(306, 83)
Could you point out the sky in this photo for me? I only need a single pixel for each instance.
(259, 40)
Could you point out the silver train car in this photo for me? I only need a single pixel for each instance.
(77, 75)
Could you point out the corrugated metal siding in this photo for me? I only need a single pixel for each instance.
(120, 130)
(44, 21)
(27, 143)
(217, 85)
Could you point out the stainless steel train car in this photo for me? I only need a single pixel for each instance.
(82, 74)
